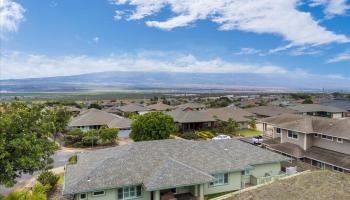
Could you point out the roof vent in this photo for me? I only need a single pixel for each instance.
(226, 149)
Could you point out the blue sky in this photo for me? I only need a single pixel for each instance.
(283, 37)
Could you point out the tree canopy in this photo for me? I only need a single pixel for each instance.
(25, 144)
(228, 127)
(152, 126)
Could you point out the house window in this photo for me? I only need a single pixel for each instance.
(292, 134)
(98, 193)
(338, 169)
(278, 130)
(326, 137)
(340, 140)
(83, 196)
(315, 135)
(129, 192)
(246, 172)
(220, 179)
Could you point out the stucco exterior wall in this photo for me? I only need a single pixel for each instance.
(299, 141)
(260, 170)
(234, 183)
(332, 145)
(112, 194)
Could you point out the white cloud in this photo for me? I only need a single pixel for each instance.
(332, 7)
(247, 51)
(345, 56)
(11, 15)
(279, 17)
(21, 65)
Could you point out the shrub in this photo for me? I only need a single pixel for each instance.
(73, 160)
(48, 178)
(108, 135)
(189, 136)
(205, 134)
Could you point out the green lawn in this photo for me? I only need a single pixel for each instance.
(248, 132)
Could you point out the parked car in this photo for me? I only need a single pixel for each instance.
(221, 137)
(257, 139)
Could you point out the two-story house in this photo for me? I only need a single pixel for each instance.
(322, 142)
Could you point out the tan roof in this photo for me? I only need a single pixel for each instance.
(93, 117)
(133, 107)
(269, 111)
(322, 185)
(191, 105)
(316, 108)
(160, 107)
(120, 122)
(289, 148)
(311, 124)
(209, 115)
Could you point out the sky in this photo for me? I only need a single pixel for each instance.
(287, 38)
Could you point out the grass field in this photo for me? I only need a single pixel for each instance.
(249, 132)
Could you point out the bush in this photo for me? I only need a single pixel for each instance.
(189, 136)
(205, 134)
(73, 160)
(48, 178)
(108, 135)
(37, 193)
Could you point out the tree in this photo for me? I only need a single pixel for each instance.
(228, 127)
(25, 146)
(108, 135)
(95, 105)
(60, 117)
(152, 126)
(252, 124)
(308, 101)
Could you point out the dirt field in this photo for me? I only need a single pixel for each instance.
(316, 185)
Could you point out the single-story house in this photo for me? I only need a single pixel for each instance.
(133, 108)
(94, 119)
(160, 107)
(190, 106)
(169, 169)
(319, 110)
(208, 118)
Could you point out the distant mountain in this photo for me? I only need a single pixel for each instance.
(163, 80)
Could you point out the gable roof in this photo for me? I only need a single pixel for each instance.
(159, 107)
(191, 105)
(310, 124)
(162, 163)
(133, 107)
(93, 117)
(269, 111)
(210, 115)
(316, 108)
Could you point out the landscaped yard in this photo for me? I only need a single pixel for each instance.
(248, 132)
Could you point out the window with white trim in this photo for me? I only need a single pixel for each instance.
(83, 196)
(129, 192)
(327, 137)
(220, 179)
(278, 130)
(340, 140)
(293, 134)
(98, 193)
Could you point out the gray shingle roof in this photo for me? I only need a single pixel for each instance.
(191, 105)
(93, 117)
(269, 111)
(316, 108)
(162, 163)
(210, 115)
(311, 124)
(160, 107)
(133, 107)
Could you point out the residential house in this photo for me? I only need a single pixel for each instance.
(341, 103)
(319, 110)
(267, 111)
(133, 108)
(322, 142)
(160, 107)
(169, 169)
(95, 119)
(190, 106)
(208, 118)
